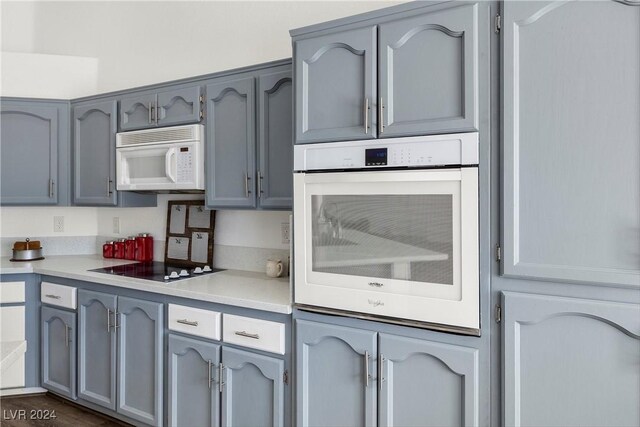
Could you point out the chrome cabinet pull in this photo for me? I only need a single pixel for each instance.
(155, 113)
(246, 185)
(220, 373)
(209, 373)
(366, 369)
(248, 335)
(52, 296)
(260, 191)
(115, 320)
(187, 322)
(150, 112)
(109, 182)
(51, 188)
(108, 320)
(66, 334)
(381, 115)
(366, 115)
(381, 374)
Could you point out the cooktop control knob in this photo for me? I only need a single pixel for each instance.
(206, 268)
(197, 270)
(173, 275)
(166, 277)
(184, 273)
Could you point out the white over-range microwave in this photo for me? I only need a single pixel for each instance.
(166, 159)
(388, 230)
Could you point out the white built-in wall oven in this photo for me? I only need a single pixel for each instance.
(388, 230)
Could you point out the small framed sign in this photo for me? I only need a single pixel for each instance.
(190, 229)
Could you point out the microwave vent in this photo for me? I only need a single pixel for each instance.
(155, 136)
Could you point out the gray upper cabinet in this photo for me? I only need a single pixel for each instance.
(275, 140)
(336, 86)
(335, 372)
(94, 148)
(140, 360)
(34, 144)
(570, 362)
(173, 106)
(424, 383)
(137, 111)
(253, 389)
(230, 154)
(570, 151)
(97, 348)
(194, 389)
(428, 73)
(58, 332)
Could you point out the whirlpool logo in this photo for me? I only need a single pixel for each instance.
(375, 303)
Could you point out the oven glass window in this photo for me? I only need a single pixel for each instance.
(147, 167)
(407, 237)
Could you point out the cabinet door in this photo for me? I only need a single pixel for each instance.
(179, 106)
(193, 390)
(94, 147)
(58, 351)
(29, 161)
(335, 372)
(140, 360)
(138, 111)
(230, 160)
(570, 151)
(429, 73)
(97, 348)
(570, 362)
(253, 389)
(426, 383)
(275, 140)
(336, 86)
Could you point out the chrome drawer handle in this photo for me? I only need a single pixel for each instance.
(53, 296)
(248, 335)
(187, 322)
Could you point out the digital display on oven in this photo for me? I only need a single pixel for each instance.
(375, 156)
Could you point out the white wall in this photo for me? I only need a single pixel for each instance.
(38, 221)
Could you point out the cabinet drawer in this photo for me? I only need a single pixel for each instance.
(58, 295)
(11, 292)
(254, 333)
(194, 321)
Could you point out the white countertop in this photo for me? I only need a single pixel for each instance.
(232, 287)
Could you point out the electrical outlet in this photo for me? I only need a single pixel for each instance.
(58, 224)
(116, 225)
(285, 232)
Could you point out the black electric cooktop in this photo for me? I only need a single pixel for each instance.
(156, 271)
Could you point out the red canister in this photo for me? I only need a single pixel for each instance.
(118, 248)
(144, 247)
(107, 249)
(130, 248)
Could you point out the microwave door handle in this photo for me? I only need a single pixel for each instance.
(169, 162)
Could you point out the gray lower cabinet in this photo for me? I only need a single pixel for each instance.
(121, 354)
(425, 383)
(34, 144)
(194, 388)
(230, 154)
(58, 332)
(336, 86)
(428, 72)
(94, 151)
(275, 140)
(166, 107)
(570, 361)
(335, 370)
(570, 131)
(252, 389)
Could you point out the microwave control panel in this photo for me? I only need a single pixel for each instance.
(184, 168)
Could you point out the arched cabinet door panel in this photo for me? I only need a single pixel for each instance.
(428, 72)
(58, 334)
(180, 106)
(137, 111)
(570, 361)
(335, 375)
(570, 132)
(336, 86)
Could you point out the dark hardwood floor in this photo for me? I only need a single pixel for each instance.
(39, 409)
